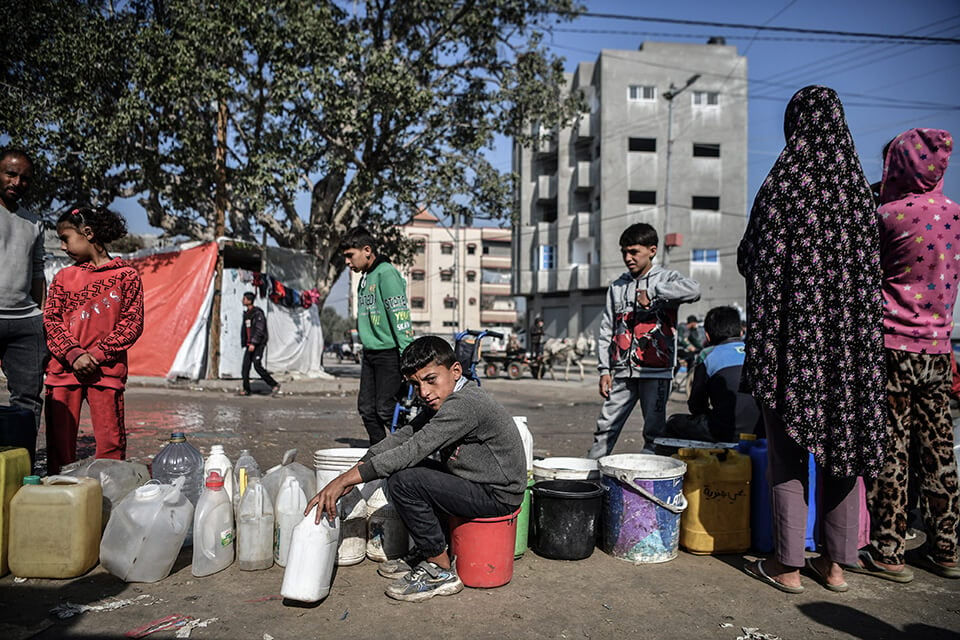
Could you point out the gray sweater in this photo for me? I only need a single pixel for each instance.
(21, 254)
(477, 440)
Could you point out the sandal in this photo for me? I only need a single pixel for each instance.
(942, 570)
(762, 576)
(869, 567)
(822, 579)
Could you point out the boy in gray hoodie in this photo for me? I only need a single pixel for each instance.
(637, 341)
(481, 470)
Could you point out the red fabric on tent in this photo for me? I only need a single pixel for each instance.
(175, 285)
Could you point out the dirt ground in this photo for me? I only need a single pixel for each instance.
(692, 596)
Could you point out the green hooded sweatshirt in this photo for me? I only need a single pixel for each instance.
(383, 317)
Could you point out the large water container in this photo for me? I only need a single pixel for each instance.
(117, 478)
(387, 537)
(145, 532)
(218, 460)
(313, 552)
(213, 546)
(527, 438)
(14, 465)
(255, 528)
(55, 528)
(288, 513)
(274, 477)
(717, 488)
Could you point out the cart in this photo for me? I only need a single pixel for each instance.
(512, 363)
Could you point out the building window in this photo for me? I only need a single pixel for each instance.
(449, 302)
(705, 256)
(641, 93)
(546, 257)
(706, 150)
(417, 275)
(471, 249)
(451, 323)
(642, 144)
(711, 203)
(446, 248)
(421, 246)
(642, 197)
(446, 275)
(706, 98)
(417, 303)
(471, 276)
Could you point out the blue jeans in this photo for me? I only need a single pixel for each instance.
(23, 354)
(420, 494)
(651, 393)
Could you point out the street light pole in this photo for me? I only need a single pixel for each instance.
(669, 95)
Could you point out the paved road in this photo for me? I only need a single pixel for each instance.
(600, 597)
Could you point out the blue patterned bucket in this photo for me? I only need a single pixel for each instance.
(643, 500)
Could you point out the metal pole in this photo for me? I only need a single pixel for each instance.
(670, 95)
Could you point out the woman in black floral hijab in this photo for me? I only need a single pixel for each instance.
(814, 360)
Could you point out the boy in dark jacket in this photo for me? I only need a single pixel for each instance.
(254, 338)
(481, 473)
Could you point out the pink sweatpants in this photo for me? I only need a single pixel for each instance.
(62, 411)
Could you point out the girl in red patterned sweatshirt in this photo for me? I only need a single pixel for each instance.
(93, 314)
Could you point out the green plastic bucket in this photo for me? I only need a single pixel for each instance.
(523, 522)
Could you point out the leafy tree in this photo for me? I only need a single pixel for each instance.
(367, 110)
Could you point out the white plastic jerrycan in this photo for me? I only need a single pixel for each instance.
(288, 513)
(255, 524)
(146, 531)
(213, 532)
(313, 552)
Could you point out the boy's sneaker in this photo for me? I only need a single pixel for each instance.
(424, 582)
(400, 567)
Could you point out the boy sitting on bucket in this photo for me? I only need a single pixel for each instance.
(481, 473)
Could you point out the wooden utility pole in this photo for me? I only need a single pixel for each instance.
(220, 229)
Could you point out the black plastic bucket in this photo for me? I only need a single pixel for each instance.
(18, 428)
(565, 516)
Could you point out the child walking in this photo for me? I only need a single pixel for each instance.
(637, 341)
(94, 313)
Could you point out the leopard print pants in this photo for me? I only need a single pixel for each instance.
(920, 444)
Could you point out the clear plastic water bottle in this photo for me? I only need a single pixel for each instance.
(245, 469)
(255, 529)
(180, 459)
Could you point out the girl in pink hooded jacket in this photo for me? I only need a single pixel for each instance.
(920, 259)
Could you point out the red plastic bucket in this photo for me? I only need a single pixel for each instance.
(484, 549)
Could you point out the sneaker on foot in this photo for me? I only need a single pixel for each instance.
(276, 391)
(400, 567)
(424, 582)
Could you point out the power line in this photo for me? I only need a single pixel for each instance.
(705, 36)
(759, 27)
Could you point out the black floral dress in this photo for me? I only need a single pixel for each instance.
(810, 257)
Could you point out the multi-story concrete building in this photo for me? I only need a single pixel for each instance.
(460, 278)
(663, 140)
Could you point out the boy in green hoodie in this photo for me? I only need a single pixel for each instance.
(383, 321)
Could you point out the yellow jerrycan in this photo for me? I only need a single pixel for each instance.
(717, 488)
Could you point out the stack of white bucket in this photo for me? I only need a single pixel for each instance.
(369, 525)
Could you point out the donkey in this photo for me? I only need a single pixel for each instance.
(567, 352)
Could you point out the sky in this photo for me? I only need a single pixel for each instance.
(886, 88)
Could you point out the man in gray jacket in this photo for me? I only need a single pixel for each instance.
(637, 341)
(481, 473)
(23, 348)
